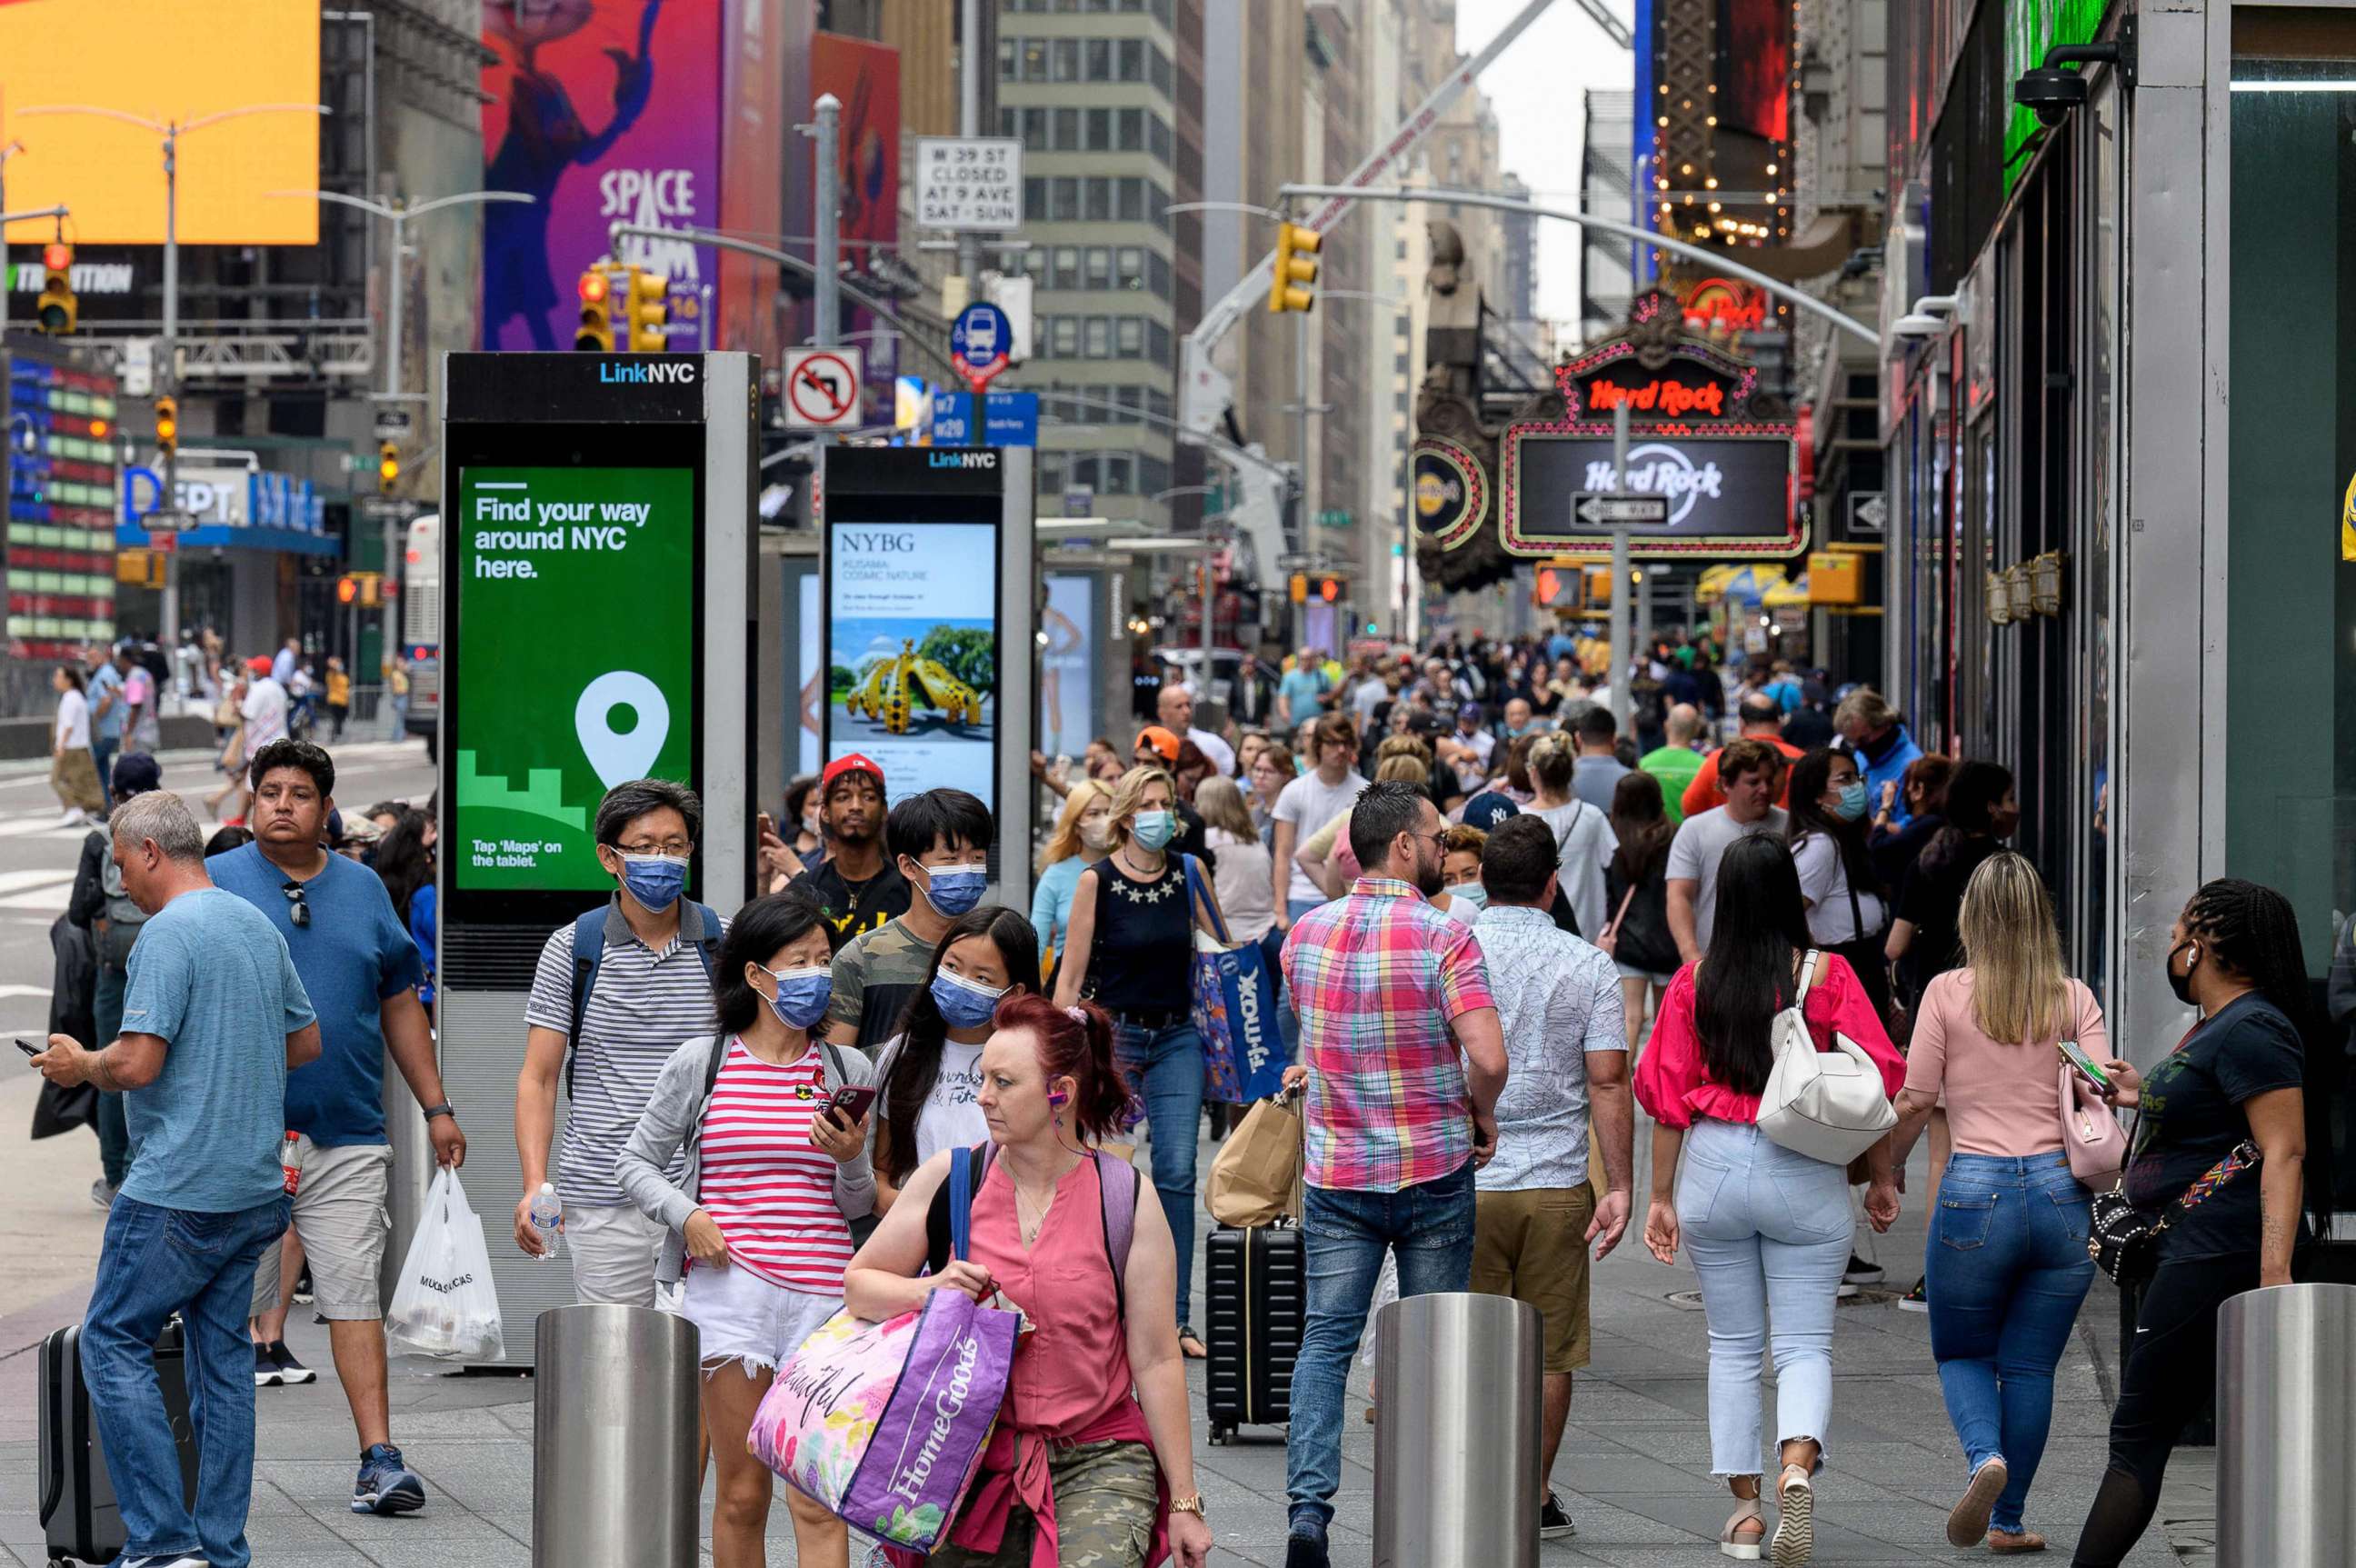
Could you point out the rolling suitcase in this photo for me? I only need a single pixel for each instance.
(1255, 1287)
(79, 1518)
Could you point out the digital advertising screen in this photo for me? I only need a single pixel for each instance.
(1726, 492)
(912, 652)
(1068, 664)
(575, 590)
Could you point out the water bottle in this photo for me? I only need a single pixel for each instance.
(547, 1211)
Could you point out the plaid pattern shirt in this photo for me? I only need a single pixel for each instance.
(1378, 977)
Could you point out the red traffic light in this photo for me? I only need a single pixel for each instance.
(57, 256)
(594, 288)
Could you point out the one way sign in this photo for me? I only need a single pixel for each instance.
(1597, 509)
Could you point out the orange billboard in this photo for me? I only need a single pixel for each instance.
(162, 61)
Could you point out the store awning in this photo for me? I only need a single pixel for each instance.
(1788, 596)
(1745, 583)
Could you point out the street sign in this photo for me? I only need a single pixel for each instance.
(822, 388)
(1010, 419)
(392, 424)
(1868, 511)
(953, 419)
(1597, 509)
(971, 184)
(1080, 500)
(978, 341)
(161, 521)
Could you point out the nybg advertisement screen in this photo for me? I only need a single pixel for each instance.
(575, 590)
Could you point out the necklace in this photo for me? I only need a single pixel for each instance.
(1031, 1225)
(1140, 870)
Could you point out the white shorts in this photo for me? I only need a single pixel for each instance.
(615, 1251)
(746, 1318)
(1630, 971)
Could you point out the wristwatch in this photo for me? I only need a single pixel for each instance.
(441, 1110)
(1192, 1505)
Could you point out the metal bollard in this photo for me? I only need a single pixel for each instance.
(2286, 1426)
(1457, 1448)
(613, 1419)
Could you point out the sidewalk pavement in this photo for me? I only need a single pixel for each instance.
(1633, 1471)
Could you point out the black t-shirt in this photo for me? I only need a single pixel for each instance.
(1934, 901)
(2192, 1117)
(854, 908)
(1141, 957)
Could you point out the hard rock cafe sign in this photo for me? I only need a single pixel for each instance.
(1450, 494)
(1725, 305)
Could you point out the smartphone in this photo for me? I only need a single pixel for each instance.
(850, 1102)
(2088, 1068)
(29, 1048)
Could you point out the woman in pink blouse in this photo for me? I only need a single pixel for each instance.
(2005, 1264)
(1769, 1228)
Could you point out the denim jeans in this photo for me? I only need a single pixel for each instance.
(113, 1132)
(1164, 1069)
(2006, 1269)
(1428, 1227)
(1768, 1230)
(156, 1261)
(101, 752)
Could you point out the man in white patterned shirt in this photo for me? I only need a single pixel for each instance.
(1559, 1004)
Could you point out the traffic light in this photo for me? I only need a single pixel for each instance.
(596, 334)
(348, 590)
(648, 290)
(56, 309)
(388, 467)
(167, 426)
(1329, 590)
(1296, 269)
(1298, 588)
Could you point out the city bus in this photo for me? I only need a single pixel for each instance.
(420, 626)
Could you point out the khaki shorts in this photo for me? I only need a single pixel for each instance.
(1531, 1246)
(615, 1250)
(340, 1216)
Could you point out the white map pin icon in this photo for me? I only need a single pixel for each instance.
(619, 756)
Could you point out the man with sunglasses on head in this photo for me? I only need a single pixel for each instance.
(362, 971)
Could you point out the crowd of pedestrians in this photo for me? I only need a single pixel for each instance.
(1499, 921)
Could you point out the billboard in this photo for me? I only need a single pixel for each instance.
(162, 59)
(600, 109)
(912, 652)
(865, 79)
(1727, 495)
(756, 66)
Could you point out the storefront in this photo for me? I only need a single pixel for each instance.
(259, 565)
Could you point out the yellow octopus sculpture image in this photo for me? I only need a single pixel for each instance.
(897, 686)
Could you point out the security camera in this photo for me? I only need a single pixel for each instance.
(2052, 93)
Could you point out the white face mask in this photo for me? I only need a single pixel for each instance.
(1096, 832)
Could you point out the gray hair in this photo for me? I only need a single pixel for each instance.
(164, 819)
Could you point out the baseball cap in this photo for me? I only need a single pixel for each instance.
(135, 774)
(849, 762)
(257, 666)
(1163, 741)
(1487, 809)
(1468, 710)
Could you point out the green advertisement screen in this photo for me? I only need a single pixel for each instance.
(575, 590)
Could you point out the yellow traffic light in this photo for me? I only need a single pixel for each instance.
(1298, 588)
(388, 467)
(647, 311)
(596, 333)
(56, 309)
(167, 426)
(371, 589)
(1292, 287)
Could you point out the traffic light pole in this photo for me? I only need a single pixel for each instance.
(167, 634)
(826, 299)
(1618, 669)
(969, 69)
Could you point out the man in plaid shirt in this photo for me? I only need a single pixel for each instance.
(1405, 1061)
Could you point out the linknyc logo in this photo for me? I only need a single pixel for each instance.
(624, 370)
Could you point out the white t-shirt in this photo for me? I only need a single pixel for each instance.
(265, 712)
(1245, 883)
(73, 721)
(1369, 695)
(1584, 841)
(1308, 803)
(950, 1119)
(1823, 883)
(1701, 844)
(1221, 756)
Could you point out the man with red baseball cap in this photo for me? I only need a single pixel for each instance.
(856, 885)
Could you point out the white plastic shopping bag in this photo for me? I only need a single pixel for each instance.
(446, 1305)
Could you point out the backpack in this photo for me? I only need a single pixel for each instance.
(589, 955)
(1117, 1182)
(123, 917)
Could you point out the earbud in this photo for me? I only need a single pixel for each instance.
(1057, 1099)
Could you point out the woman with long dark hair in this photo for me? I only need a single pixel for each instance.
(2232, 1094)
(930, 1072)
(1846, 908)
(404, 861)
(1636, 886)
(1769, 1228)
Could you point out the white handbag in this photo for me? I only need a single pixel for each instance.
(1828, 1105)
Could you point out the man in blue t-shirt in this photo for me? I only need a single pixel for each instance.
(1302, 691)
(106, 712)
(362, 971)
(213, 1016)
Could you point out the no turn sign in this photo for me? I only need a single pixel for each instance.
(822, 389)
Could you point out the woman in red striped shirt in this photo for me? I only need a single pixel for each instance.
(772, 1177)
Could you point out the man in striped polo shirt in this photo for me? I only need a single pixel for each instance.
(652, 991)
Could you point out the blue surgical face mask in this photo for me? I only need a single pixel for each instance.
(964, 1005)
(656, 881)
(1852, 802)
(802, 995)
(1470, 893)
(1154, 830)
(951, 890)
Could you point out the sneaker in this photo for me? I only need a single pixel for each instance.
(102, 1191)
(1860, 1273)
(1306, 1552)
(183, 1560)
(293, 1371)
(74, 817)
(266, 1372)
(386, 1486)
(1917, 1299)
(1845, 1291)
(303, 1291)
(1553, 1523)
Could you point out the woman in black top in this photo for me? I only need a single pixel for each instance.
(1130, 950)
(1982, 811)
(1636, 890)
(2237, 1077)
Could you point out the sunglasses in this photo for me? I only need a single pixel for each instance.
(297, 910)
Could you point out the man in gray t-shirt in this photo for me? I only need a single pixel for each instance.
(1750, 771)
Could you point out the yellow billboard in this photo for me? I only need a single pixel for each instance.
(162, 61)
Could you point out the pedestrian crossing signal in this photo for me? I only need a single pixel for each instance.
(56, 310)
(1293, 286)
(596, 333)
(348, 590)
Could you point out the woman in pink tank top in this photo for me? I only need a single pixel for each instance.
(1093, 1457)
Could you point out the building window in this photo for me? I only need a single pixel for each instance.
(1119, 474)
(1160, 128)
(1157, 207)
(1084, 472)
(1051, 473)
(1131, 128)
(1099, 264)
(1097, 57)
(1034, 194)
(1100, 130)
(1035, 129)
(1099, 198)
(1156, 273)
(1068, 130)
(1034, 59)
(1157, 343)
(1129, 336)
(1152, 476)
(1129, 267)
(1099, 338)
(1160, 71)
(1010, 122)
(1066, 337)
(1063, 200)
(1068, 267)
(1132, 200)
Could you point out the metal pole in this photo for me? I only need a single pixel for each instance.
(168, 622)
(704, 318)
(393, 541)
(1618, 669)
(1210, 608)
(969, 69)
(7, 272)
(1299, 539)
(827, 329)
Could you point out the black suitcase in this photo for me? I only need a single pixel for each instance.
(79, 1518)
(1256, 1288)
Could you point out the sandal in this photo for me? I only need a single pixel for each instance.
(1967, 1522)
(2005, 1544)
(1743, 1546)
(1191, 1345)
(1795, 1529)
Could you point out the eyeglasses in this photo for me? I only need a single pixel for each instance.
(669, 846)
(296, 910)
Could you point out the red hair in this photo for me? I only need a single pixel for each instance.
(1073, 1043)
